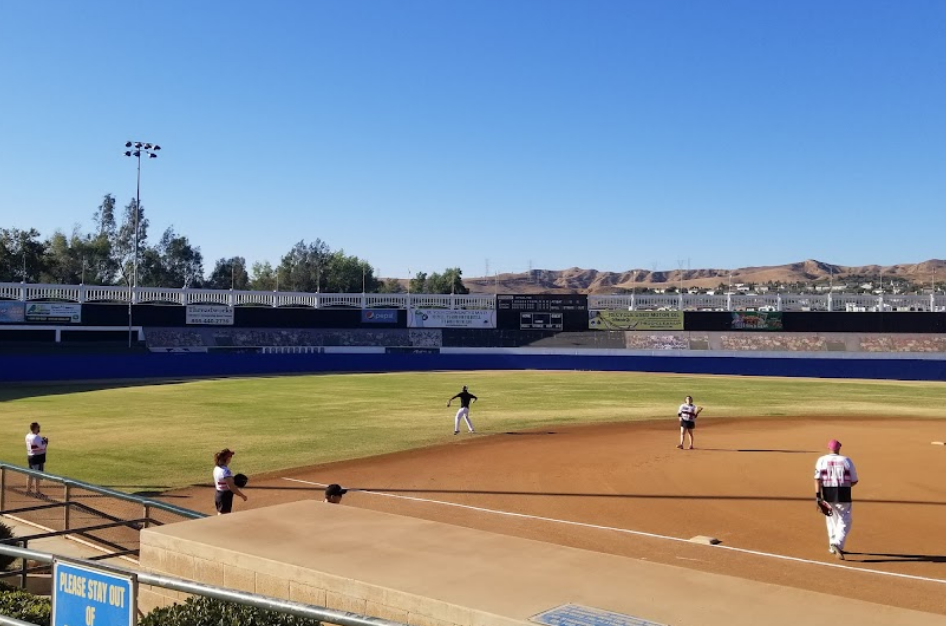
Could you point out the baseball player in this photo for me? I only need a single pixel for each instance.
(464, 411)
(224, 486)
(35, 455)
(334, 493)
(834, 477)
(687, 413)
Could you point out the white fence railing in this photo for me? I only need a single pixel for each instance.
(483, 301)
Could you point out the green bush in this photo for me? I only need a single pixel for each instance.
(6, 533)
(208, 612)
(25, 606)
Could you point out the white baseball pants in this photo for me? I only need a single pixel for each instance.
(839, 524)
(464, 413)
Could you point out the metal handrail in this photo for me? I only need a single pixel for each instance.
(104, 491)
(321, 613)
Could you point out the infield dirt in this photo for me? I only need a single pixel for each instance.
(748, 483)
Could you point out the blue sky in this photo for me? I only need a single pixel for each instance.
(422, 135)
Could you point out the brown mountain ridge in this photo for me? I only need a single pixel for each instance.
(590, 281)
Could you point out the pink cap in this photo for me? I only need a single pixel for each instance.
(834, 444)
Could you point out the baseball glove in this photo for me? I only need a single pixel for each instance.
(240, 481)
(824, 508)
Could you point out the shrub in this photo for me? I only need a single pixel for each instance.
(199, 611)
(6, 533)
(25, 607)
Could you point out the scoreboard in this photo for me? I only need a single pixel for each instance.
(542, 311)
(542, 302)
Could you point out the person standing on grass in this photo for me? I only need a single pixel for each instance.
(464, 412)
(35, 456)
(224, 487)
(687, 413)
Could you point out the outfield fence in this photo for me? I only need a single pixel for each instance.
(830, 301)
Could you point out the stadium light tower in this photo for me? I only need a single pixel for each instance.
(136, 149)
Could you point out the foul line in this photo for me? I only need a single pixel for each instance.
(638, 533)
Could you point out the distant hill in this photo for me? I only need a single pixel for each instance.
(577, 280)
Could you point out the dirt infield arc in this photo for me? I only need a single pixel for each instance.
(625, 489)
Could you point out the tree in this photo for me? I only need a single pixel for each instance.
(263, 277)
(229, 274)
(22, 255)
(390, 285)
(302, 268)
(451, 281)
(8, 249)
(348, 274)
(62, 264)
(418, 283)
(122, 239)
(100, 259)
(173, 262)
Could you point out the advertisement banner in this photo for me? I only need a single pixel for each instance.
(53, 312)
(411, 350)
(209, 314)
(447, 318)
(12, 311)
(757, 320)
(635, 320)
(379, 316)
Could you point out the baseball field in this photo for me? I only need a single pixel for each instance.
(585, 459)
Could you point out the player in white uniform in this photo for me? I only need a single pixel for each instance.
(35, 455)
(687, 413)
(834, 476)
(464, 412)
(224, 487)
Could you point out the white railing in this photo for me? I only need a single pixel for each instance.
(482, 301)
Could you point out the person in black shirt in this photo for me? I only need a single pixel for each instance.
(464, 412)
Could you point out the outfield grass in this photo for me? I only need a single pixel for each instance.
(159, 436)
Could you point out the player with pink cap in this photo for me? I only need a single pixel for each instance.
(834, 476)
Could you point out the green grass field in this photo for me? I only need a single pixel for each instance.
(160, 436)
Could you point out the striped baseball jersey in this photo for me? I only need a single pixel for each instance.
(687, 412)
(836, 473)
(221, 473)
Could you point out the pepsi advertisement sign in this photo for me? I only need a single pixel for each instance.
(379, 316)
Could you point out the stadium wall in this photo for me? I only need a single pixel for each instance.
(74, 368)
(155, 315)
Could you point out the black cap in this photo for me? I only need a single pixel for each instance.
(335, 490)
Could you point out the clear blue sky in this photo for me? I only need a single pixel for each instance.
(423, 135)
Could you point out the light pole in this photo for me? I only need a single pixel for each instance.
(136, 149)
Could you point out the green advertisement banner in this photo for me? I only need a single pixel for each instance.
(635, 320)
(757, 320)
